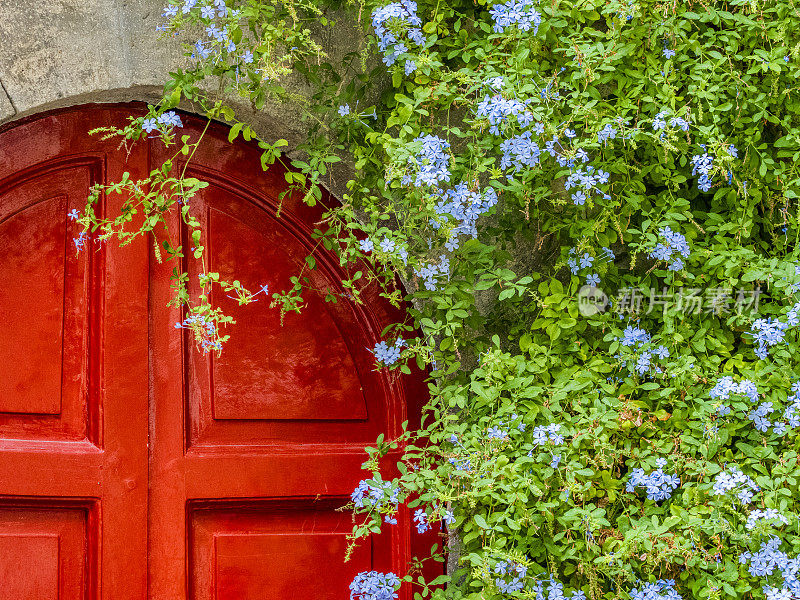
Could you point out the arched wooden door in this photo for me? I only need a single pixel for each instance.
(133, 466)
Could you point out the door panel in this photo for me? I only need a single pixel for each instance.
(73, 371)
(254, 551)
(45, 381)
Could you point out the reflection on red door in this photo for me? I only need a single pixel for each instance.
(134, 466)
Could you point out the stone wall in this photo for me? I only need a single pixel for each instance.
(56, 53)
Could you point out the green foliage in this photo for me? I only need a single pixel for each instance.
(498, 316)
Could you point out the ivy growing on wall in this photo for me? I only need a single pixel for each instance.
(594, 206)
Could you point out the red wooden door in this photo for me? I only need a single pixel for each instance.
(132, 465)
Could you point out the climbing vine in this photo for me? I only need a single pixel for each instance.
(594, 207)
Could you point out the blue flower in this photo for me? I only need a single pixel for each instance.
(432, 161)
(80, 241)
(170, 119)
(658, 485)
(388, 355)
(373, 585)
(669, 53)
(519, 13)
(170, 11)
(520, 152)
(633, 336)
(207, 12)
(593, 279)
(497, 110)
(149, 125)
(344, 109)
(421, 521)
(606, 133)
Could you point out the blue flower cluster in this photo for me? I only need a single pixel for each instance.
(663, 589)
(512, 576)
(163, 122)
(387, 245)
(703, 164)
(727, 386)
(495, 433)
(431, 273)
(642, 362)
(658, 485)
(737, 482)
(374, 585)
(791, 415)
(432, 163)
(660, 122)
(386, 354)
(421, 521)
(555, 590)
(497, 110)
(587, 182)
(606, 133)
(766, 561)
(547, 433)
(671, 243)
(586, 261)
(395, 19)
(80, 241)
(204, 330)
(634, 336)
(464, 206)
(769, 332)
(520, 152)
(769, 514)
(516, 12)
(379, 495)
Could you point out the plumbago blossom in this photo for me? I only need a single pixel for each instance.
(513, 577)
(671, 245)
(431, 164)
(765, 416)
(397, 25)
(778, 570)
(663, 589)
(519, 14)
(768, 515)
(375, 495)
(498, 110)
(657, 484)
(641, 355)
(735, 482)
(462, 207)
(373, 585)
(388, 355)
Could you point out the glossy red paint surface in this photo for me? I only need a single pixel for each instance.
(131, 465)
